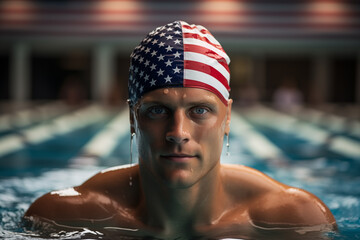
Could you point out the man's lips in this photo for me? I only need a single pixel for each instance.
(178, 157)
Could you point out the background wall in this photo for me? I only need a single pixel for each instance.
(51, 49)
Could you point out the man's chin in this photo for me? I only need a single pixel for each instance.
(180, 179)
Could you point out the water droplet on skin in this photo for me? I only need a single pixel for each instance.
(130, 182)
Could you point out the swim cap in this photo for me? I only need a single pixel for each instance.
(179, 55)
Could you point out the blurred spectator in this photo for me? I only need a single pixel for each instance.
(288, 97)
(247, 95)
(73, 91)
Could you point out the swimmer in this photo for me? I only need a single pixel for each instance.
(180, 112)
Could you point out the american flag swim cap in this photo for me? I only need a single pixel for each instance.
(179, 55)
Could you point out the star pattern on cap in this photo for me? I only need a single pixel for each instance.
(157, 61)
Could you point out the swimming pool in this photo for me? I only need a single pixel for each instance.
(55, 152)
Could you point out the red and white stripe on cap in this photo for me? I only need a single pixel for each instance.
(205, 61)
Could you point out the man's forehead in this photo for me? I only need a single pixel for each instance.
(180, 95)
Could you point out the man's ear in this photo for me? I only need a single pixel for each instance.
(228, 117)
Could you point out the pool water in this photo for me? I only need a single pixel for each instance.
(59, 162)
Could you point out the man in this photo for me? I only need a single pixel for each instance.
(180, 112)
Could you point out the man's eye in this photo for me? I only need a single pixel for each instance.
(157, 111)
(200, 110)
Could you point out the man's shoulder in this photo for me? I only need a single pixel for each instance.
(290, 207)
(272, 204)
(248, 179)
(114, 177)
(96, 198)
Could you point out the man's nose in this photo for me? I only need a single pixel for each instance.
(179, 128)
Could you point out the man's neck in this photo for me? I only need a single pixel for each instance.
(174, 209)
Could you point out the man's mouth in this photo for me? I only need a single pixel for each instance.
(178, 157)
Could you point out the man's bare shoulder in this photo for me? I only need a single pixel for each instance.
(96, 198)
(249, 179)
(276, 205)
(291, 208)
(112, 179)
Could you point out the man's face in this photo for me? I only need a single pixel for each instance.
(180, 133)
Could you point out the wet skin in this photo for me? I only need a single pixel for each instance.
(179, 188)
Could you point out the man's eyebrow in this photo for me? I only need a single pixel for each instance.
(151, 102)
(147, 103)
(201, 102)
(158, 101)
(195, 102)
